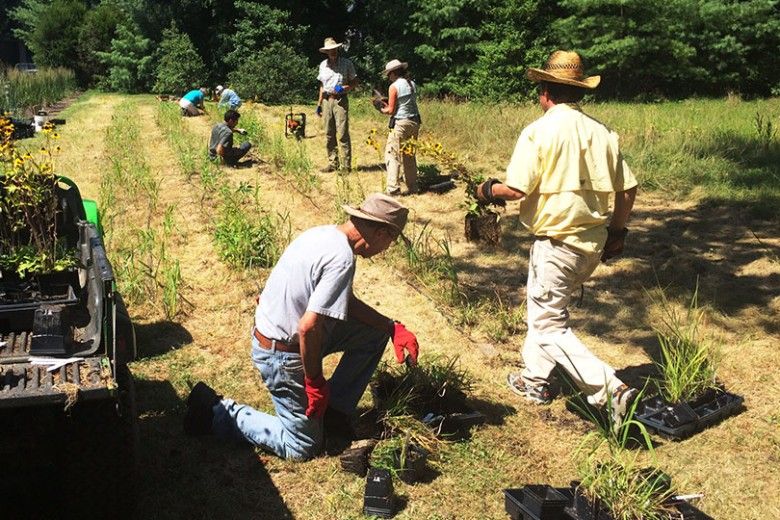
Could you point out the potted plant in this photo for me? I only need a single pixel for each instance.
(689, 396)
(31, 247)
(401, 457)
(434, 392)
(482, 224)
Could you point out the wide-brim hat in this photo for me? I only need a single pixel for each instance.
(395, 65)
(379, 207)
(564, 67)
(329, 45)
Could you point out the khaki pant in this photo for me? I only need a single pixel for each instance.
(335, 115)
(404, 130)
(555, 271)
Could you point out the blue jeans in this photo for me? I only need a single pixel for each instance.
(289, 433)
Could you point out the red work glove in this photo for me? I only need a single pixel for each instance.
(318, 392)
(403, 339)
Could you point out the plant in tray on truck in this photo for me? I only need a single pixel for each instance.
(28, 207)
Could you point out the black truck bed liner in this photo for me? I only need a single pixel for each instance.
(23, 384)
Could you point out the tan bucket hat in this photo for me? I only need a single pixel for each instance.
(564, 67)
(330, 44)
(395, 65)
(379, 207)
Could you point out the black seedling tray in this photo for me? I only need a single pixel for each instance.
(379, 499)
(681, 420)
(537, 502)
(542, 502)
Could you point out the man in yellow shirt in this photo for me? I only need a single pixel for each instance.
(563, 169)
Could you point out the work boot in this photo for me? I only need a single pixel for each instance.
(622, 401)
(337, 430)
(330, 168)
(200, 410)
(537, 394)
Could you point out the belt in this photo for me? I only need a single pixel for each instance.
(274, 344)
(327, 95)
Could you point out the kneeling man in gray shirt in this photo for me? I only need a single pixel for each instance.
(306, 311)
(221, 141)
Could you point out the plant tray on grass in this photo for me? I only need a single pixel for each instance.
(542, 502)
(682, 420)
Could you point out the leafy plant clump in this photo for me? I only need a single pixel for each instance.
(29, 243)
(625, 488)
(438, 386)
(245, 240)
(688, 364)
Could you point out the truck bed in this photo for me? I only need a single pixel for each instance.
(25, 384)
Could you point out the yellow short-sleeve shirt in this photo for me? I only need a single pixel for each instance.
(567, 164)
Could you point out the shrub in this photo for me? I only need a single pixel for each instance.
(129, 62)
(276, 74)
(179, 68)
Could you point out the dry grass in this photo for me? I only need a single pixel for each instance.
(734, 464)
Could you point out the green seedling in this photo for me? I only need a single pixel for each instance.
(688, 363)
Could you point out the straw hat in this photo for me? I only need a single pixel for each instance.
(394, 65)
(564, 67)
(330, 44)
(379, 207)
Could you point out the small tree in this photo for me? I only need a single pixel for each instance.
(129, 61)
(97, 30)
(55, 36)
(277, 74)
(180, 68)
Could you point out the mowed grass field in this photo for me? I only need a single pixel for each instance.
(707, 211)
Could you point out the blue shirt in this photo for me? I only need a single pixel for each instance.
(194, 96)
(230, 99)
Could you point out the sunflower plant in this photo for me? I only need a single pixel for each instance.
(28, 206)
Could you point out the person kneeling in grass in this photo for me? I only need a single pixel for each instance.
(221, 142)
(307, 311)
(563, 169)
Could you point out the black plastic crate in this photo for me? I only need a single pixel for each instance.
(379, 499)
(681, 420)
(537, 502)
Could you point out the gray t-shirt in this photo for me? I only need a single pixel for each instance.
(314, 274)
(220, 134)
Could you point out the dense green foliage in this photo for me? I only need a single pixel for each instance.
(476, 49)
(276, 74)
(179, 67)
(129, 61)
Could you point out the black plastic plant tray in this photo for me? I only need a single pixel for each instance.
(541, 502)
(680, 421)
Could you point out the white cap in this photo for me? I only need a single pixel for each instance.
(220, 88)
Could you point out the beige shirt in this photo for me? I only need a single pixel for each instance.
(567, 164)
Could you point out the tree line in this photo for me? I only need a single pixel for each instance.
(470, 49)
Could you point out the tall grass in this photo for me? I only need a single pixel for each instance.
(146, 272)
(247, 239)
(688, 363)
(715, 150)
(22, 91)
